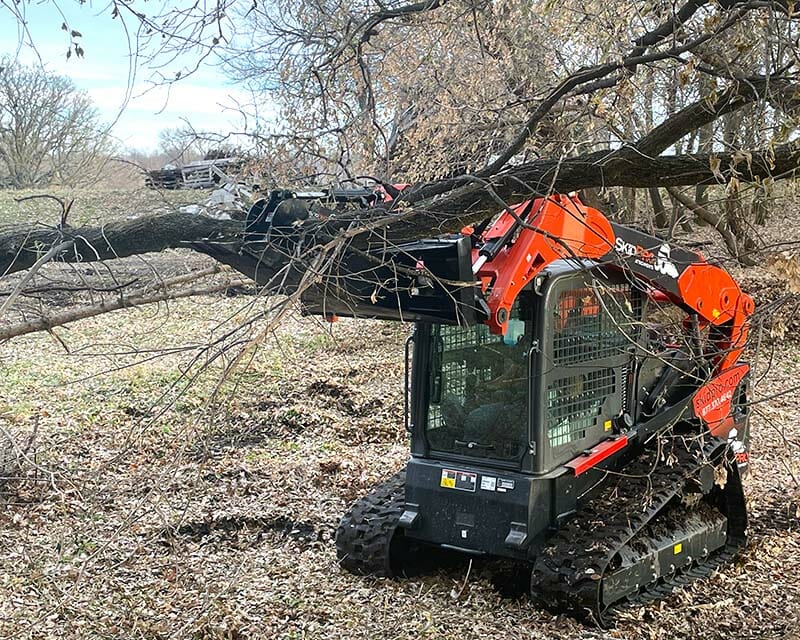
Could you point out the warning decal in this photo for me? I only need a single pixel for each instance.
(462, 480)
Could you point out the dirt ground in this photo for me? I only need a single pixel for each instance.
(157, 501)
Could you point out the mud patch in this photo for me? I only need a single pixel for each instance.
(246, 531)
(323, 387)
(776, 519)
(338, 393)
(251, 427)
(343, 400)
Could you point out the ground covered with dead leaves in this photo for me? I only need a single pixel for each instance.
(156, 500)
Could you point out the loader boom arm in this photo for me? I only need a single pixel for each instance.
(475, 276)
(537, 232)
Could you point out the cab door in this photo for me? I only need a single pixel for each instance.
(591, 329)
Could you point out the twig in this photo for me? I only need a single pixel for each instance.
(457, 594)
(47, 322)
(54, 251)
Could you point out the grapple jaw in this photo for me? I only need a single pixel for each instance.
(428, 280)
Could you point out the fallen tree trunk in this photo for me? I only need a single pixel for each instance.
(22, 245)
(446, 206)
(428, 209)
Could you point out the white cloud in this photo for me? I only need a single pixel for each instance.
(149, 111)
(138, 116)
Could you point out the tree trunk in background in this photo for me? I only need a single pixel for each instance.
(591, 197)
(705, 139)
(659, 212)
(733, 208)
(628, 212)
(681, 146)
(734, 220)
(759, 209)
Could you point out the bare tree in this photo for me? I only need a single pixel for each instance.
(50, 133)
(479, 112)
(179, 145)
(440, 90)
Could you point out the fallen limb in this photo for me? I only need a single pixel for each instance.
(731, 242)
(21, 246)
(425, 210)
(140, 297)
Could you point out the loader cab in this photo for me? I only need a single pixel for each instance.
(556, 384)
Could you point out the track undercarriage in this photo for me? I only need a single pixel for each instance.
(670, 518)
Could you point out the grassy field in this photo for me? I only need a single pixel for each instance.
(89, 205)
(164, 496)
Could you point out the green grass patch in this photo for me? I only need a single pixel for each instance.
(90, 206)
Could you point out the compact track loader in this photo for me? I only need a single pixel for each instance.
(575, 398)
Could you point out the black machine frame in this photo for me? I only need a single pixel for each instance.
(540, 491)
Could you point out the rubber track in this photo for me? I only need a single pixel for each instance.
(365, 532)
(567, 574)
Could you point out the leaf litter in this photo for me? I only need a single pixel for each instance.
(190, 521)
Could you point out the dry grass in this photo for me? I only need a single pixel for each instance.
(150, 510)
(90, 205)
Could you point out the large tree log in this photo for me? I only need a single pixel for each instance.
(22, 245)
(424, 211)
(436, 212)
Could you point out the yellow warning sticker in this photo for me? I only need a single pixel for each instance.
(607, 425)
(677, 548)
(448, 479)
(461, 480)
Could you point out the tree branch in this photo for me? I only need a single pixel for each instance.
(696, 115)
(592, 74)
(139, 298)
(715, 221)
(22, 245)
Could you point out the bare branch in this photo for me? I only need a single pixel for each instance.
(715, 221)
(138, 298)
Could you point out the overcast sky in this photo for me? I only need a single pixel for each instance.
(105, 69)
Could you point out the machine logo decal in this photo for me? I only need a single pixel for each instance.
(712, 401)
(461, 480)
(664, 263)
(660, 262)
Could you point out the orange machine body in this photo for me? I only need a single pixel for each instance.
(562, 227)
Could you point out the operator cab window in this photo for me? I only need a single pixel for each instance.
(478, 390)
(594, 327)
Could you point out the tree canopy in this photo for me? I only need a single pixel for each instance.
(49, 130)
(481, 104)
